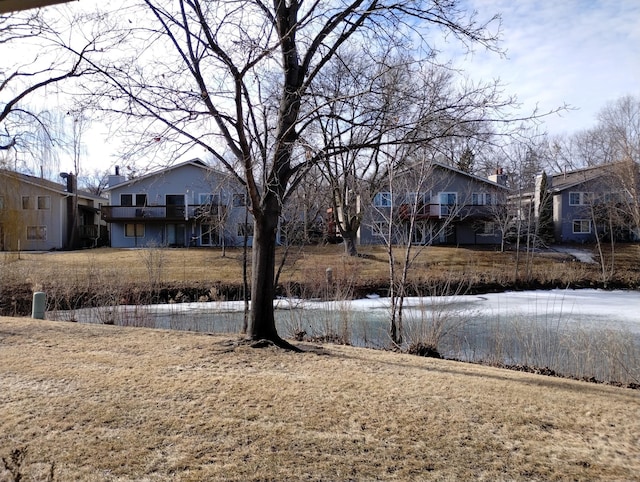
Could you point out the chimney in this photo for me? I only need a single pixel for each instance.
(499, 177)
(116, 179)
(72, 181)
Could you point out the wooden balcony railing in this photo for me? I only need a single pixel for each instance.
(426, 211)
(440, 211)
(160, 213)
(88, 231)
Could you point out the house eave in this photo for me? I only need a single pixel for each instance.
(7, 6)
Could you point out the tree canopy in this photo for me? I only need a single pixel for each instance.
(242, 81)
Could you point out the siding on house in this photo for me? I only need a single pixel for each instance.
(36, 214)
(454, 208)
(579, 196)
(189, 204)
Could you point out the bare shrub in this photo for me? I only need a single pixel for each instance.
(603, 354)
(154, 259)
(554, 344)
(436, 317)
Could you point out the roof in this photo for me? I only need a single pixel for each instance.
(194, 162)
(569, 179)
(463, 173)
(46, 184)
(15, 5)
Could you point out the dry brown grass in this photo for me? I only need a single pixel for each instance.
(308, 265)
(93, 402)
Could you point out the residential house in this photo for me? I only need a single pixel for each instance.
(594, 200)
(436, 205)
(38, 214)
(188, 204)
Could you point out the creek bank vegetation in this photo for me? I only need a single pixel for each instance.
(107, 277)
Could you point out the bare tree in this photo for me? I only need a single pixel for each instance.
(95, 181)
(236, 77)
(28, 130)
(620, 123)
(349, 135)
(423, 202)
(399, 102)
(518, 221)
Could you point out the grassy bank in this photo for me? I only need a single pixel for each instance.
(95, 402)
(110, 276)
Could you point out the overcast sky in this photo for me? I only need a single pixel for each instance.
(583, 53)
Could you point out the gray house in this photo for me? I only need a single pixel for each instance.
(189, 204)
(598, 198)
(436, 205)
(38, 214)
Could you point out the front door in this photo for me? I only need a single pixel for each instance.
(175, 234)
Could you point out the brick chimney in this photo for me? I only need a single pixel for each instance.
(499, 177)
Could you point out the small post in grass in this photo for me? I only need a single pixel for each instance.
(39, 304)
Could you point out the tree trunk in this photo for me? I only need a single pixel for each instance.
(262, 324)
(350, 243)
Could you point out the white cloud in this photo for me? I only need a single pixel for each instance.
(579, 52)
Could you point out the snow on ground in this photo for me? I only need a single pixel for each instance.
(619, 308)
(582, 255)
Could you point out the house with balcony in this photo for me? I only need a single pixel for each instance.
(40, 215)
(436, 204)
(602, 200)
(188, 204)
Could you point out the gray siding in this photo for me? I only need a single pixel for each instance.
(437, 223)
(188, 185)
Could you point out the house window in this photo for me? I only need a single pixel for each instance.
(208, 234)
(379, 228)
(37, 233)
(487, 228)
(579, 198)
(481, 199)
(239, 200)
(382, 200)
(245, 230)
(26, 202)
(613, 197)
(134, 230)
(581, 226)
(138, 200)
(419, 198)
(448, 200)
(44, 202)
(210, 199)
(1, 203)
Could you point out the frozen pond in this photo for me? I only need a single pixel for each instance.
(557, 328)
(586, 308)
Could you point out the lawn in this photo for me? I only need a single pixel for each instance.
(103, 403)
(307, 264)
(106, 276)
